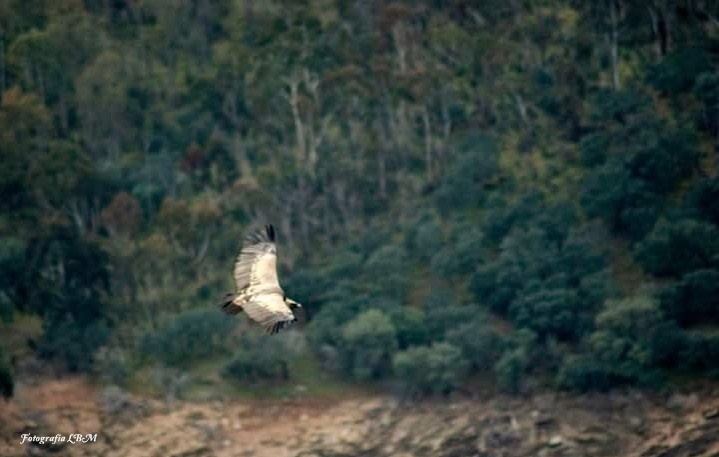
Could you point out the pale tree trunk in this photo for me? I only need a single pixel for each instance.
(3, 81)
(660, 27)
(614, 20)
(309, 132)
(427, 144)
(231, 111)
(293, 98)
(399, 37)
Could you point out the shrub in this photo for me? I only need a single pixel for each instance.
(368, 342)
(582, 253)
(625, 203)
(71, 343)
(551, 312)
(187, 337)
(496, 285)
(325, 328)
(703, 199)
(624, 342)
(584, 373)
(7, 383)
(426, 238)
(460, 256)
(12, 252)
(387, 269)
(480, 344)
(509, 370)
(674, 248)
(113, 366)
(259, 359)
(436, 369)
(475, 163)
(307, 286)
(679, 69)
(694, 299)
(700, 353)
(503, 216)
(441, 319)
(411, 326)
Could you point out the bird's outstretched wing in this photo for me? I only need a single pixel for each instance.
(270, 311)
(256, 266)
(259, 293)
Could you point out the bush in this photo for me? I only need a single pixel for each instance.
(496, 285)
(664, 165)
(71, 343)
(694, 299)
(583, 252)
(624, 343)
(7, 383)
(583, 373)
(552, 313)
(368, 342)
(475, 163)
(700, 353)
(325, 328)
(387, 270)
(510, 369)
(626, 204)
(426, 238)
(12, 252)
(525, 255)
(411, 326)
(441, 319)
(679, 69)
(673, 248)
(480, 344)
(460, 256)
(113, 366)
(436, 369)
(187, 337)
(703, 199)
(259, 359)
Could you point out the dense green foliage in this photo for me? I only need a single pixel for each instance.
(7, 383)
(439, 368)
(522, 189)
(259, 360)
(188, 337)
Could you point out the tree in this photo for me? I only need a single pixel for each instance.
(624, 340)
(437, 369)
(481, 345)
(7, 384)
(674, 248)
(368, 342)
(694, 299)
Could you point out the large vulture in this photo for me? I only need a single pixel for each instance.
(259, 293)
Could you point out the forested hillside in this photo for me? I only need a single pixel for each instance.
(519, 191)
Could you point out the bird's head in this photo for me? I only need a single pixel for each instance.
(292, 304)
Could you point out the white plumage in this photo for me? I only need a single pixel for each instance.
(259, 293)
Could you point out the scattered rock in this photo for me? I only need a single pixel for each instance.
(556, 441)
(681, 402)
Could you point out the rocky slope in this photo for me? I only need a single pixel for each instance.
(618, 424)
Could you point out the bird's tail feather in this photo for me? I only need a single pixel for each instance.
(229, 306)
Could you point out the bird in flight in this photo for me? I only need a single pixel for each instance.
(259, 293)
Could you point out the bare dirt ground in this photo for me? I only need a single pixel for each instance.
(628, 424)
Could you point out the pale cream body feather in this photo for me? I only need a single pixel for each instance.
(259, 293)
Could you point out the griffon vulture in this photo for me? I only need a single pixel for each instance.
(259, 293)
